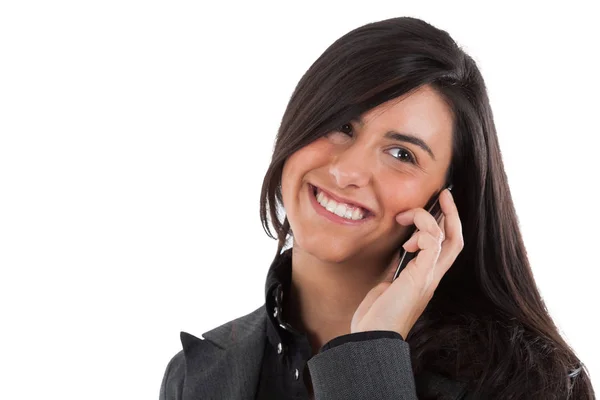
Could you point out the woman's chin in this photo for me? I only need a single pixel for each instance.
(327, 250)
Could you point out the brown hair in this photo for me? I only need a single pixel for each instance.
(486, 323)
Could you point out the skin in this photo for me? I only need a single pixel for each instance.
(341, 274)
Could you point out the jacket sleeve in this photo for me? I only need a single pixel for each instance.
(172, 383)
(364, 365)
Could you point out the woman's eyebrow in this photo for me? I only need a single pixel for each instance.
(403, 137)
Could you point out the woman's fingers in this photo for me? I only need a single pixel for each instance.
(438, 243)
(426, 261)
(397, 305)
(442, 223)
(420, 240)
(422, 219)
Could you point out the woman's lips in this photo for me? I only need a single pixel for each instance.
(338, 199)
(331, 216)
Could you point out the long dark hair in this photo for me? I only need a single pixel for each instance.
(486, 323)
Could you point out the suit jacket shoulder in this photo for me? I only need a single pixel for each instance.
(225, 364)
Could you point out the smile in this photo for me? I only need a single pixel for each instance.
(335, 211)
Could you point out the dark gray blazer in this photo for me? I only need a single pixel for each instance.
(226, 364)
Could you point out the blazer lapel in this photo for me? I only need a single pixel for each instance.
(226, 363)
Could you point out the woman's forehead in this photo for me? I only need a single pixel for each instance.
(424, 107)
(423, 114)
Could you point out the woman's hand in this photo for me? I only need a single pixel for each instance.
(396, 306)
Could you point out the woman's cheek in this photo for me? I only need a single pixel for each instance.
(319, 151)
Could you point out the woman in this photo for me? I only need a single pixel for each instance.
(389, 115)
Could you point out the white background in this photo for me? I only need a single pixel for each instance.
(134, 140)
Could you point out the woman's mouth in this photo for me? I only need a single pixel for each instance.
(337, 211)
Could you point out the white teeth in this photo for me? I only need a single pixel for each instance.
(331, 205)
(348, 213)
(320, 197)
(341, 209)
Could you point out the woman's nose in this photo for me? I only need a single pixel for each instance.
(351, 167)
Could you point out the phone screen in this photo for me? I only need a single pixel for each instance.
(435, 210)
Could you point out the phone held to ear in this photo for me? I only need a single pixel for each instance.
(405, 257)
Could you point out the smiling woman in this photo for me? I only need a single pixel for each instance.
(373, 166)
(385, 119)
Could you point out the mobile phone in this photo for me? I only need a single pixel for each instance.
(435, 210)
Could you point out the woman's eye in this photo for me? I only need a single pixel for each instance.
(341, 135)
(400, 153)
(346, 128)
(403, 155)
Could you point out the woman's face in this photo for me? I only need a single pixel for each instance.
(365, 164)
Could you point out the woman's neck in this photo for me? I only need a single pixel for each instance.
(324, 296)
